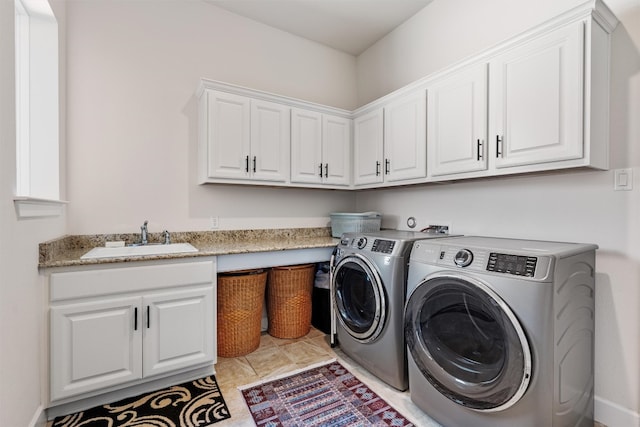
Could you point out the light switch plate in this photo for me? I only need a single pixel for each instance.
(623, 179)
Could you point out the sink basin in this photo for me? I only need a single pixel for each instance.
(143, 250)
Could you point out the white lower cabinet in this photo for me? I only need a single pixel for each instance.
(121, 326)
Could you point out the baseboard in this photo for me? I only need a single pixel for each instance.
(39, 418)
(613, 415)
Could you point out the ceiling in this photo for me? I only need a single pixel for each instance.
(347, 25)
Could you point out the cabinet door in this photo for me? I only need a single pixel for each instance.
(336, 150)
(537, 99)
(95, 345)
(368, 142)
(179, 330)
(457, 123)
(228, 135)
(270, 141)
(306, 146)
(405, 138)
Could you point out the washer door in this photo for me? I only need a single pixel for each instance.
(467, 342)
(359, 297)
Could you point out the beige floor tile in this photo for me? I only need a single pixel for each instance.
(321, 341)
(305, 353)
(235, 372)
(270, 361)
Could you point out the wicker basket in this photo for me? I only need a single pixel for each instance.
(240, 302)
(289, 300)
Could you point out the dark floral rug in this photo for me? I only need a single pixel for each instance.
(327, 395)
(196, 403)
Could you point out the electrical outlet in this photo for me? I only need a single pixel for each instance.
(214, 223)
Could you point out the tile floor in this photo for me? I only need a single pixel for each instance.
(276, 357)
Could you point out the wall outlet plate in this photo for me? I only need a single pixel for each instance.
(214, 223)
(623, 179)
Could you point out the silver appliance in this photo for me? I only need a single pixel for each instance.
(368, 287)
(500, 332)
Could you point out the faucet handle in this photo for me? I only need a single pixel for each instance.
(167, 237)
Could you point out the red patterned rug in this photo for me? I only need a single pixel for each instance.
(327, 395)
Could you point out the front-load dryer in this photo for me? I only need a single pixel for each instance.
(368, 289)
(500, 332)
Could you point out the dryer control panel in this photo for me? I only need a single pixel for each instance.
(512, 264)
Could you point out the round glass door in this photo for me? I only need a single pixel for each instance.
(359, 298)
(467, 342)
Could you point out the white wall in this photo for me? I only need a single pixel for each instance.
(578, 206)
(133, 70)
(22, 314)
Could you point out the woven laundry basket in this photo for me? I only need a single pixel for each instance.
(289, 300)
(240, 303)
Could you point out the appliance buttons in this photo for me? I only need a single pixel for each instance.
(463, 258)
(362, 242)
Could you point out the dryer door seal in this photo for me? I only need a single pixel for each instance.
(359, 298)
(467, 342)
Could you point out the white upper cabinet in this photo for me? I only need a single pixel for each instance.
(390, 142)
(270, 139)
(537, 99)
(537, 102)
(405, 138)
(306, 146)
(243, 138)
(228, 138)
(457, 122)
(368, 145)
(336, 150)
(320, 148)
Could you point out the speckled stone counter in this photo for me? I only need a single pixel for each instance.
(66, 251)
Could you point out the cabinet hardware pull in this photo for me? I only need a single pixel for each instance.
(148, 318)
(254, 164)
(499, 140)
(480, 153)
(387, 166)
(326, 170)
(135, 319)
(246, 164)
(377, 168)
(320, 170)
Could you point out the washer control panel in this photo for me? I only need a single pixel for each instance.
(383, 246)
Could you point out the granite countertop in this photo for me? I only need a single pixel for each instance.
(66, 251)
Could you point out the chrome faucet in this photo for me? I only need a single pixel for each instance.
(144, 233)
(167, 237)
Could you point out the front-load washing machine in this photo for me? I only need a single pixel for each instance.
(368, 288)
(500, 332)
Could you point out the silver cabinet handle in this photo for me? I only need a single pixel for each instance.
(499, 142)
(479, 147)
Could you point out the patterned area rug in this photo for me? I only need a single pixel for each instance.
(196, 403)
(327, 395)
